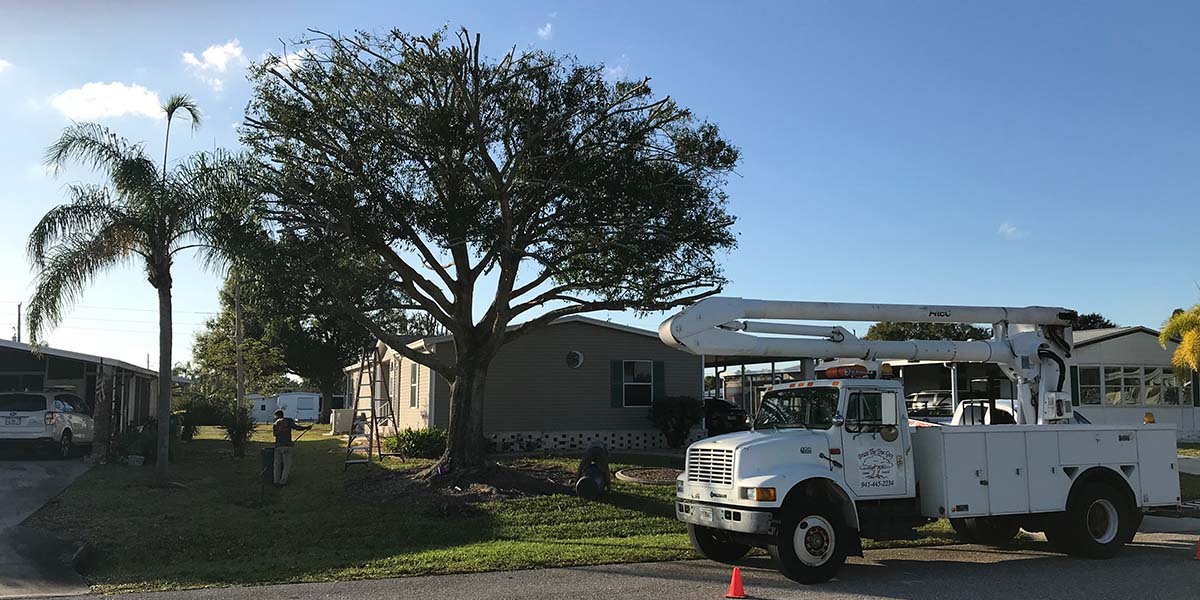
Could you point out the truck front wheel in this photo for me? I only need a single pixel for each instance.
(1097, 524)
(811, 543)
(715, 545)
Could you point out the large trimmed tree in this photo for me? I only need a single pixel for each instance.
(494, 194)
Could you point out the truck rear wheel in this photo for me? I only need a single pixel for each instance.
(811, 543)
(1097, 524)
(715, 545)
(993, 531)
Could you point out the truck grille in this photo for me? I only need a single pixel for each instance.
(710, 465)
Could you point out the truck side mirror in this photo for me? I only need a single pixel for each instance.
(888, 409)
(838, 419)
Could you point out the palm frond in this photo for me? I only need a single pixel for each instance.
(185, 103)
(71, 265)
(93, 145)
(1184, 325)
(89, 210)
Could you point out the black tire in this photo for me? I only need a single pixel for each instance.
(65, 447)
(960, 527)
(826, 540)
(1097, 523)
(713, 544)
(992, 531)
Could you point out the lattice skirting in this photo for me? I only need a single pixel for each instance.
(625, 439)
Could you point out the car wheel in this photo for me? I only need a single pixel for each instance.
(715, 545)
(65, 447)
(811, 543)
(1097, 523)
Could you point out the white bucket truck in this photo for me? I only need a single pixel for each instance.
(831, 461)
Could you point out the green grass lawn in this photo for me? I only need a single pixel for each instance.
(223, 528)
(1189, 486)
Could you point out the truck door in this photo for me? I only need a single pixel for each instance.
(875, 445)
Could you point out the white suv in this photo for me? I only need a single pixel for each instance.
(58, 420)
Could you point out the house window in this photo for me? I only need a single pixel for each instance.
(1153, 382)
(638, 382)
(1089, 385)
(1131, 386)
(412, 385)
(262, 407)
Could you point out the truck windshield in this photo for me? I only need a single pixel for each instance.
(811, 408)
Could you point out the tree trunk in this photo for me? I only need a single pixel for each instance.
(328, 389)
(465, 445)
(239, 449)
(165, 338)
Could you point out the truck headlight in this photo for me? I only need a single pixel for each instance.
(761, 494)
(678, 486)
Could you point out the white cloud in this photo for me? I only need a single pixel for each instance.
(289, 60)
(4, 65)
(618, 71)
(1012, 232)
(97, 100)
(546, 31)
(212, 64)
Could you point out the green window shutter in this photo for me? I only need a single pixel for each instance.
(617, 384)
(1074, 385)
(660, 381)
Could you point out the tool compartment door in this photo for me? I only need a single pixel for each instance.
(966, 473)
(1007, 473)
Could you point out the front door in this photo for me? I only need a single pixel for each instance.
(874, 445)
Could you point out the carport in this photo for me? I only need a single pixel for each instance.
(128, 389)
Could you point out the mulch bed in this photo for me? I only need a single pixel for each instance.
(454, 492)
(649, 476)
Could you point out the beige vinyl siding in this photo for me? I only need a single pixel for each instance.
(412, 417)
(531, 388)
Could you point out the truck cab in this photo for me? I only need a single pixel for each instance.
(844, 442)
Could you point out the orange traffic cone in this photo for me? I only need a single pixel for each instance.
(1197, 551)
(735, 585)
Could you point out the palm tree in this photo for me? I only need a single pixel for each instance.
(1184, 325)
(140, 215)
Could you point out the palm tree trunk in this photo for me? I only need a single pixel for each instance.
(166, 142)
(165, 339)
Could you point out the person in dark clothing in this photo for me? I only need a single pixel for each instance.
(282, 428)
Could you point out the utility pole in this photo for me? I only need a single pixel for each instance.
(18, 322)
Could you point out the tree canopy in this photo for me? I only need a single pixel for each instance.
(1092, 321)
(483, 192)
(891, 331)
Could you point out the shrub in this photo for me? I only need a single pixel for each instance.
(417, 443)
(143, 441)
(188, 427)
(674, 416)
(239, 427)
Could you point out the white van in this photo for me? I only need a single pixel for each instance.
(55, 420)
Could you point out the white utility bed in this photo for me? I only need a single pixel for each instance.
(971, 471)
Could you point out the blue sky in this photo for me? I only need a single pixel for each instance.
(943, 152)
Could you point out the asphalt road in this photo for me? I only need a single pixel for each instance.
(1158, 565)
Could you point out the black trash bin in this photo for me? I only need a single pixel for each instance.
(268, 464)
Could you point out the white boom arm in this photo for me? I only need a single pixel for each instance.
(1029, 344)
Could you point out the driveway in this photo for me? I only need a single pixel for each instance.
(32, 562)
(1157, 565)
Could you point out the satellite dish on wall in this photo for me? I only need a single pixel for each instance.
(574, 359)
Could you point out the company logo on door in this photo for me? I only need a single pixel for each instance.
(875, 465)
